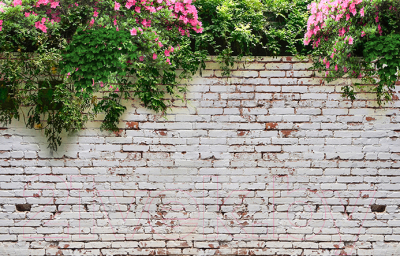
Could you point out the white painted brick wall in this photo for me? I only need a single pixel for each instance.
(271, 161)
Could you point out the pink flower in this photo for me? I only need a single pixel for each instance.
(336, 68)
(130, 3)
(141, 58)
(350, 40)
(345, 69)
(363, 34)
(137, 9)
(347, 16)
(168, 61)
(154, 56)
(27, 14)
(133, 32)
(54, 5)
(115, 22)
(76, 4)
(166, 52)
(17, 2)
(377, 19)
(101, 84)
(91, 22)
(160, 44)
(362, 12)
(327, 64)
(117, 90)
(332, 55)
(116, 6)
(95, 14)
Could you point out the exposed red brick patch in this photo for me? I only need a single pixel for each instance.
(118, 133)
(270, 126)
(286, 132)
(158, 223)
(66, 246)
(242, 132)
(133, 125)
(211, 246)
(184, 244)
(354, 123)
(395, 97)
(370, 118)
(365, 196)
(289, 58)
(242, 252)
(161, 132)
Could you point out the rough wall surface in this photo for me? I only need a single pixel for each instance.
(271, 161)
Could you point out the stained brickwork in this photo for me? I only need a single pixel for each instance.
(271, 161)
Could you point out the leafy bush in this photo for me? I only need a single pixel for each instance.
(251, 27)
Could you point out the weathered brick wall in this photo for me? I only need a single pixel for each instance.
(269, 162)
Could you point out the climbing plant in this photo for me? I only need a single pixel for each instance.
(65, 62)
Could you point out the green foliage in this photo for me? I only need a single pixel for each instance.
(251, 27)
(385, 52)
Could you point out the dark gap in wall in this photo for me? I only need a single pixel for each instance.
(378, 208)
(23, 207)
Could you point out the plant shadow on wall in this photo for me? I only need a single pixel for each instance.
(66, 62)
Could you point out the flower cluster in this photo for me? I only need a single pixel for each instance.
(336, 10)
(341, 31)
(338, 25)
(144, 17)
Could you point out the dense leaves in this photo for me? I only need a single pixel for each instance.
(251, 27)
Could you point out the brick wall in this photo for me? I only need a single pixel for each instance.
(271, 161)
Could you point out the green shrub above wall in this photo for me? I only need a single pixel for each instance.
(252, 28)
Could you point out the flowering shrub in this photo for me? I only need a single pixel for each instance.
(123, 49)
(341, 31)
